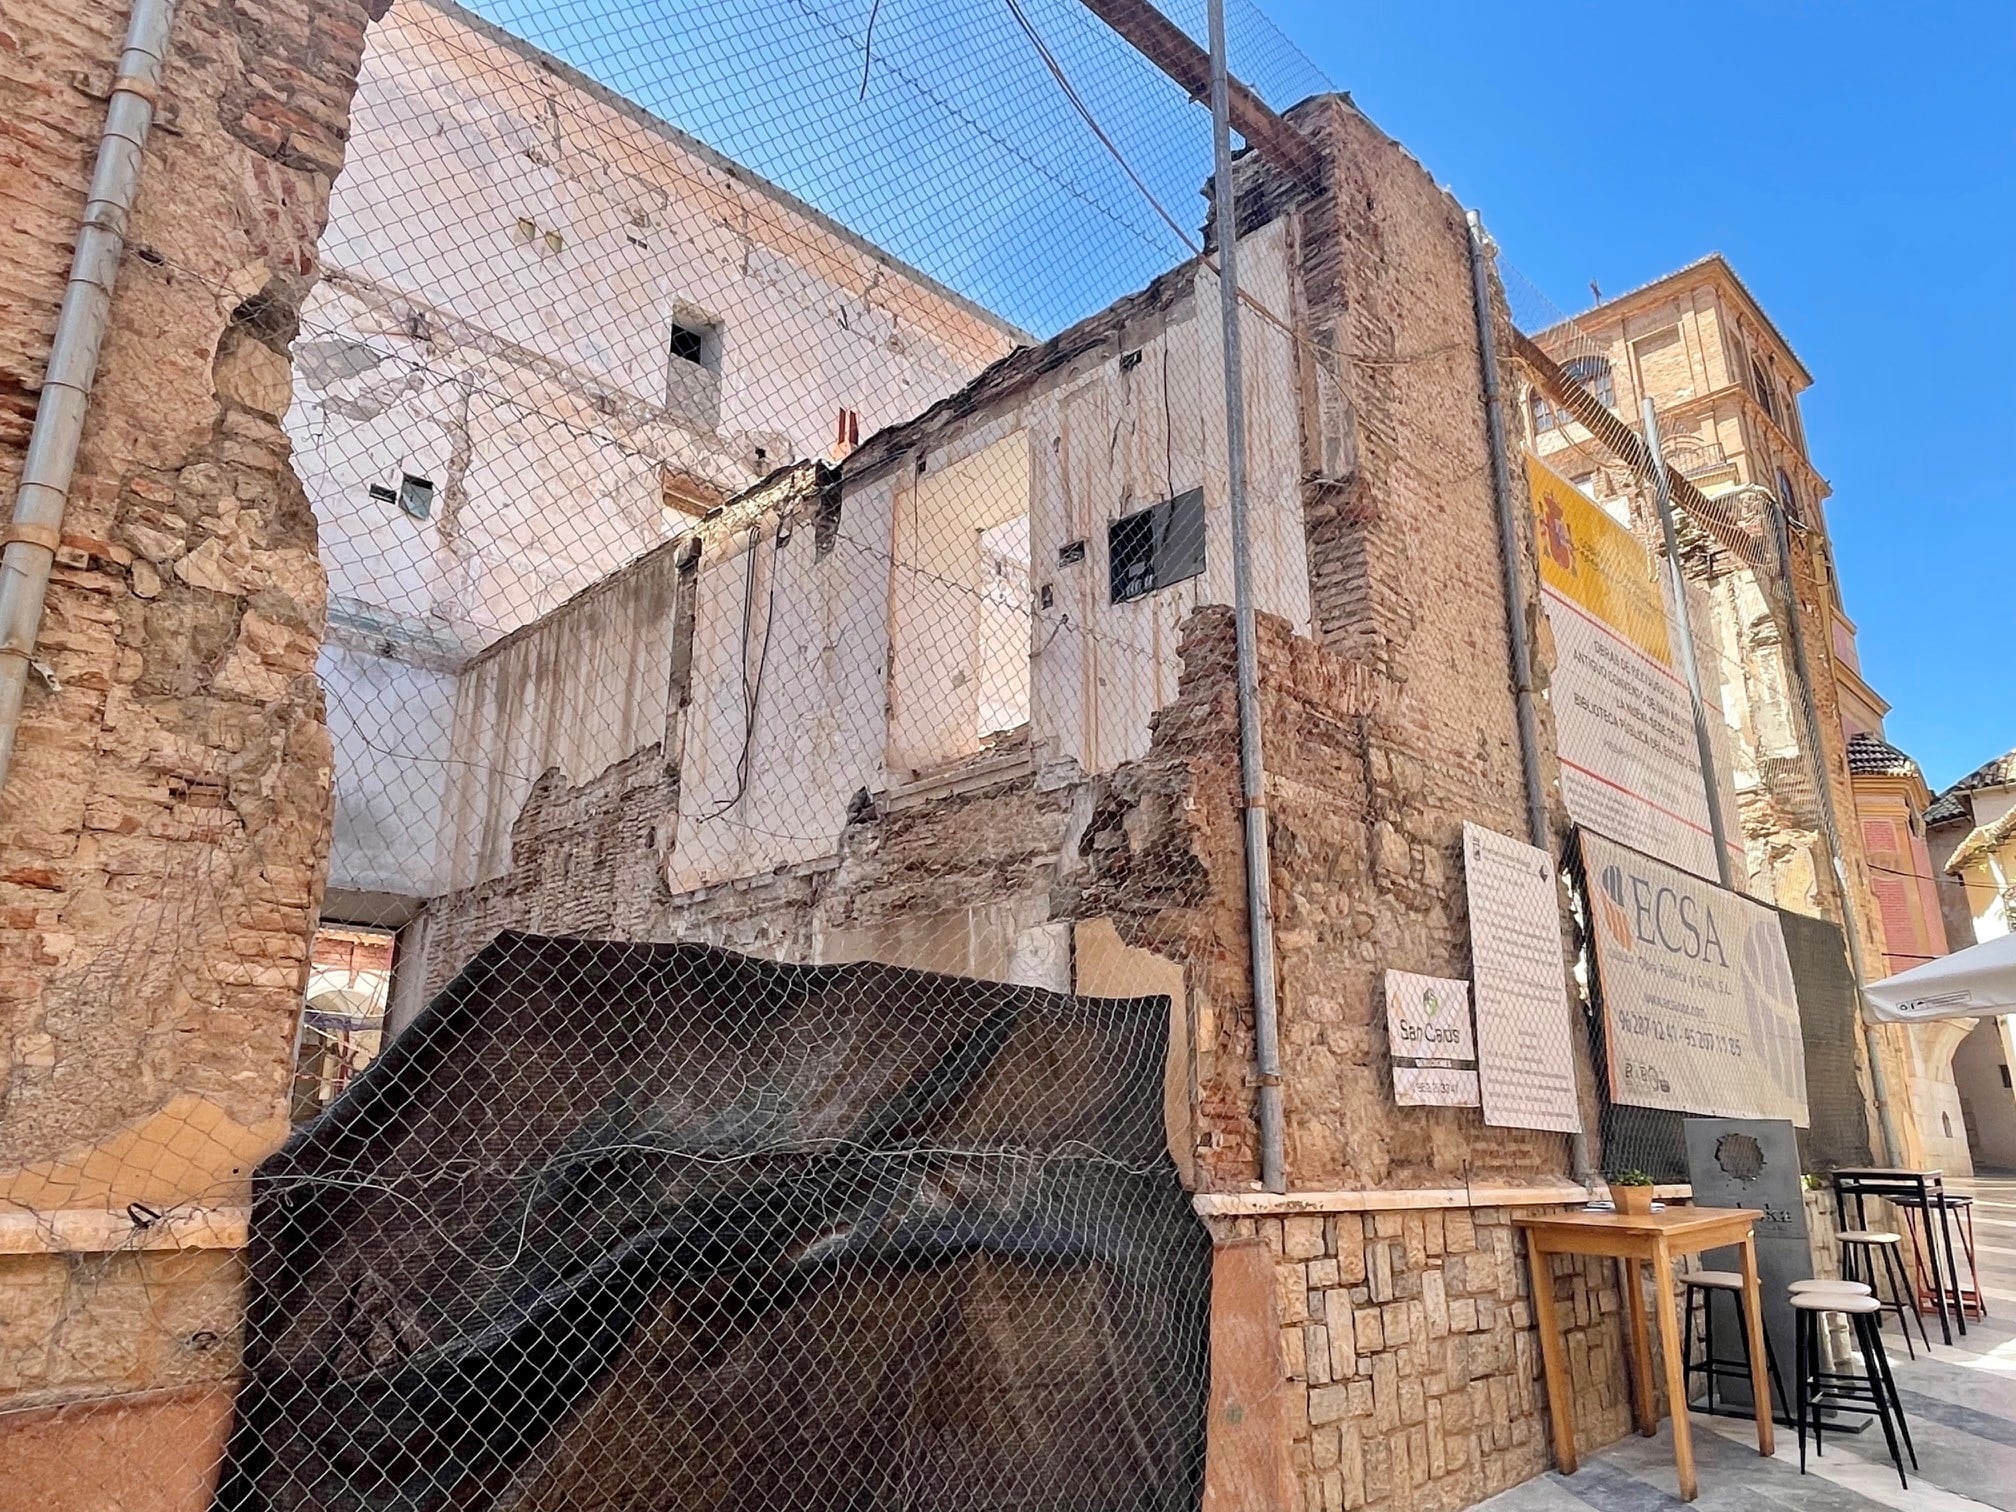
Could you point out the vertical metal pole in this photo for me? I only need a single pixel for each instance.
(1684, 621)
(1509, 556)
(1508, 542)
(1252, 766)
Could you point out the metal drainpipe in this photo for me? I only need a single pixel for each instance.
(1879, 1078)
(1252, 766)
(1509, 555)
(33, 534)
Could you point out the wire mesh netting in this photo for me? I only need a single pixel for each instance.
(770, 465)
(1605, 563)
(716, 555)
(663, 1226)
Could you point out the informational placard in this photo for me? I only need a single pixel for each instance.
(1430, 1039)
(1525, 1029)
(1698, 1008)
(1623, 718)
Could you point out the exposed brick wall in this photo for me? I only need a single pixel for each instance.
(1384, 733)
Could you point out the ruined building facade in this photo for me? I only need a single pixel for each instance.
(958, 697)
(763, 735)
(551, 331)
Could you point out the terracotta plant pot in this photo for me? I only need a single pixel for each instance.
(1636, 1200)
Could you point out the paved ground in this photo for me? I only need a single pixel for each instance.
(1961, 1404)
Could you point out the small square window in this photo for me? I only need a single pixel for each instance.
(1156, 547)
(689, 343)
(416, 496)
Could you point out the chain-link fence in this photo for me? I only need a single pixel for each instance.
(783, 955)
(732, 574)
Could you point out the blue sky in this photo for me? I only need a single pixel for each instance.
(1857, 164)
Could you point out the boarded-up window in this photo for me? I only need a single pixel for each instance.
(1157, 546)
(1663, 369)
(1893, 912)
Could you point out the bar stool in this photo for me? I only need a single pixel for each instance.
(1711, 1368)
(1967, 1289)
(1871, 1393)
(1859, 1247)
(1911, 1193)
(1822, 1283)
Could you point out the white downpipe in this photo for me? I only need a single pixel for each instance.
(35, 529)
(1252, 761)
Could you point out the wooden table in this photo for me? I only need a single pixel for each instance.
(1632, 1240)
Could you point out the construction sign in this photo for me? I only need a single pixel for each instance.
(1623, 719)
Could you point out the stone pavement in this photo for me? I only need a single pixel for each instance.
(1961, 1404)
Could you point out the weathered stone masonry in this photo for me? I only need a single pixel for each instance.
(163, 833)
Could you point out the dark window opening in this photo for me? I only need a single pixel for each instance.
(689, 343)
(1593, 373)
(1543, 413)
(416, 496)
(1760, 385)
(2005, 1076)
(1157, 546)
(1786, 496)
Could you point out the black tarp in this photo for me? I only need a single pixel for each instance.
(662, 1226)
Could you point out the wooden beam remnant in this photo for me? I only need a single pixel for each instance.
(1169, 48)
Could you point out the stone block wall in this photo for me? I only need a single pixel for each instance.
(1407, 1339)
(164, 828)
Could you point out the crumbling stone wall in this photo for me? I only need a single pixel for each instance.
(165, 824)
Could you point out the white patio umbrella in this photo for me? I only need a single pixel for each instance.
(1973, 983)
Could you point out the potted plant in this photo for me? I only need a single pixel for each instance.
(1632, 1192)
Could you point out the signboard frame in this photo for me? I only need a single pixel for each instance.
(1692, 980)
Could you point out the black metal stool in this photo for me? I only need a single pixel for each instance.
(1822, 1390)
(1967, 1289)
(1859, 1248)
(1711, 1368)
(1911, 1193)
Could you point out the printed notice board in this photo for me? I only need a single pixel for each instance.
(1623, 718)
(1699, 1014)
(1525, 1029)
